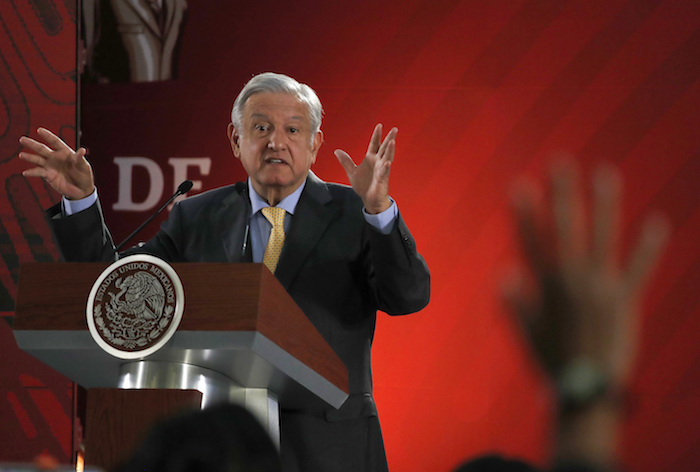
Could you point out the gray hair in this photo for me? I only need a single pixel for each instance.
(279, 83)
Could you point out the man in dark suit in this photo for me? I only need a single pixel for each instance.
(346, 254)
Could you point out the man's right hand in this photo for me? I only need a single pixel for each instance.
(66, 170)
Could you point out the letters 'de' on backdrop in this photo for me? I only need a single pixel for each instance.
(482, 93)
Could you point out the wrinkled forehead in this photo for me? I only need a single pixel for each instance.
(277, 104)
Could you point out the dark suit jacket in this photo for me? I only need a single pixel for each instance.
(338, 269)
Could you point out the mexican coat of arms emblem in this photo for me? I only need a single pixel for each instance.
(135, 306)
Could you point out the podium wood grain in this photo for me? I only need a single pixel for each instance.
(117, 420)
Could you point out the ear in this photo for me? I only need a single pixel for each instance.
(316, 145)
(234, 138)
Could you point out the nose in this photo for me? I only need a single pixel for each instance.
(277, 141)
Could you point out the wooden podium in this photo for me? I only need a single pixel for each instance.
(242, 339)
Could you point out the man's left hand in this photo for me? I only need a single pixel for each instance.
(370, 179)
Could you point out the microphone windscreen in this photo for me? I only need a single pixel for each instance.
(185, 187)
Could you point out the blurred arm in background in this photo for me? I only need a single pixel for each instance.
(578, 304)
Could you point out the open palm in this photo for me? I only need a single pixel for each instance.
(370, 179)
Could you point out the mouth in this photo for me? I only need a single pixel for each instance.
(274, 160)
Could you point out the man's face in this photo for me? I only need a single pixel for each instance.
(275, 144)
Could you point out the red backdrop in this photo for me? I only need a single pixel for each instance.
(37, 86)
(482, 92)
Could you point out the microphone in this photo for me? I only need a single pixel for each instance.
(242, 189)
(182, 189)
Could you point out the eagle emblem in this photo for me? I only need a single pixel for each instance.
(133, 304)
(140, 295)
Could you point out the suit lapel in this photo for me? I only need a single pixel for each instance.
(231, 223)
(146, 14)
(311, 218)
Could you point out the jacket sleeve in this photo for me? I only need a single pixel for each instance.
(398, 273)
(82, 237)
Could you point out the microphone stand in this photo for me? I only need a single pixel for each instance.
(182, 189)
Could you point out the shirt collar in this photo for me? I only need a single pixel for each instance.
(289, 203)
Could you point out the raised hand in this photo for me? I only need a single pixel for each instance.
(66, 170)
(370, 179)
(582, 302)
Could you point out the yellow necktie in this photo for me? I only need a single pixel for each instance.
(275, 216)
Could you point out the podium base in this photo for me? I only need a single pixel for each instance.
(215, 388)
